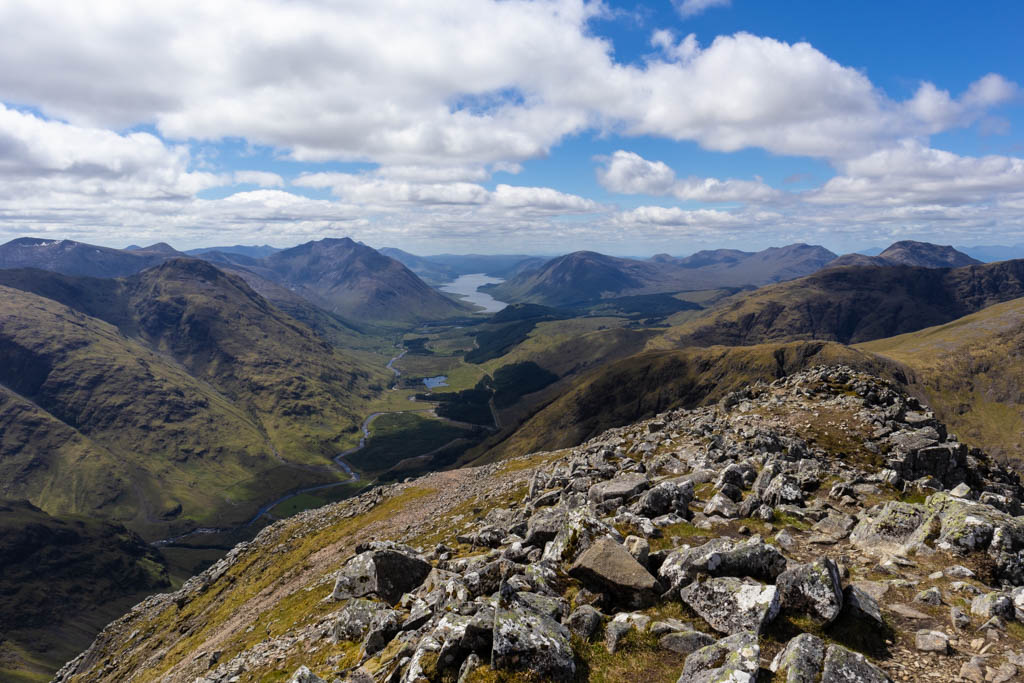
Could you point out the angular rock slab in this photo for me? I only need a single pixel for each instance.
(801, 660)
(723, 557)
(730, 605)
(846, 666)
(578, 532)
(623, 486)
(608, 567)
(733, 659)
(530, 642)
(887, 529)
(812, 589)
(388, 574)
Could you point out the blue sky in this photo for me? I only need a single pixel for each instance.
(550, 126)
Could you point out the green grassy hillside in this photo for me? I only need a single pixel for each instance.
(96, 423)
(971, 372)
(307, 395)
(219, 403)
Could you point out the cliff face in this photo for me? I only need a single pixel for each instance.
(821, 527)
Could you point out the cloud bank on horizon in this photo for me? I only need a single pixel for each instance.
(480, 125)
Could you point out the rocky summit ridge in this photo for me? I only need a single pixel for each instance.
(824, 527)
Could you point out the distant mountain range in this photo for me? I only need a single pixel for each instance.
(256, 252)
(910, 253)
(989, 254)
(77, 258)
(584, 277)
(343, 277)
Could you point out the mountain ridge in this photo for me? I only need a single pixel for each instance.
(584, 277)
(910, 253)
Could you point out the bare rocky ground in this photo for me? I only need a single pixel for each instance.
(821, 528)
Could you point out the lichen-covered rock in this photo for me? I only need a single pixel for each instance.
(682, 565)
(525, 641)
(543, 526)
(385, 573)
(624, 486)
(753, 558)
(846, 666)
(304, 675)
(354, 620)
(801, 660)
(887, 528)
(812, 589)
(578, 532)
(993, 605)
(665, 497)
(783, 490)
(723, 557)
(584, 621)
(731, 605)
(962, 526)
(732, 660)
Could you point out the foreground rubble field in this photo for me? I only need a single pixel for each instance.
(821, 528)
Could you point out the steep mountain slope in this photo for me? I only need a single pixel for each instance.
(577, 278)
(583, 277)
(852, 304)
(299, 387)
(755, 539)
(95, 423)
(250, 400)
(76, 258)
(61, 579)
(358, 283)
(910, 253)
(971, 371)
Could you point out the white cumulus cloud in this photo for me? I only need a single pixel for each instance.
(629, 173)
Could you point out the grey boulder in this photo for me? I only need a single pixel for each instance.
(733, 659)
(388, 574)
(801, 660)
(812, 589)
(846, 666)
(525, 641)
(608, 567)
(624, 486)
(730, 605)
